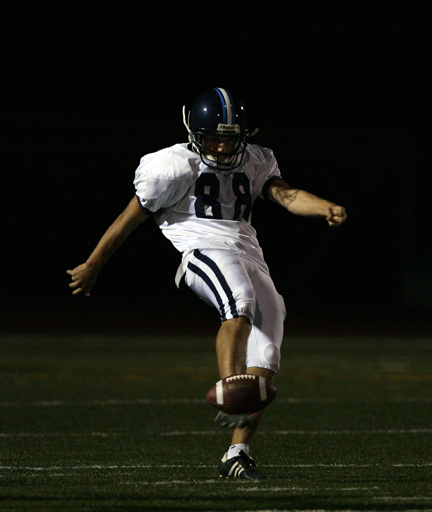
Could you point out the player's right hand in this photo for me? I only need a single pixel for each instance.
(83, 278)
(336, 215)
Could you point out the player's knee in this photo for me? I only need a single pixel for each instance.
(272, 356)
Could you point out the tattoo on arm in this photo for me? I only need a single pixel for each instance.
(291, 196)
(286, 197)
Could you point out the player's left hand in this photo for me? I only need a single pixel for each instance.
(336, 216)
(83, 278)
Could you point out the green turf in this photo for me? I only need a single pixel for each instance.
(120, 423)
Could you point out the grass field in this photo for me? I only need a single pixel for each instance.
(118, 423)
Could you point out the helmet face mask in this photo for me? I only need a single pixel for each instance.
(221, 152)
(217, 129)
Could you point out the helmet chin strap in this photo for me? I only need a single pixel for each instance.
(184, 118)
(185, 122)
(191, 137)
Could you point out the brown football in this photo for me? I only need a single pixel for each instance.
(240, 394)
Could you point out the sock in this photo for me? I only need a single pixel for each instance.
(235, 449)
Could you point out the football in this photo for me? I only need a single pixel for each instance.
(240, 394)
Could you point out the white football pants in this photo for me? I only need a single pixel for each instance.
(237, 287)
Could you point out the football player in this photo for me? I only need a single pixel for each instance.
(200, 194)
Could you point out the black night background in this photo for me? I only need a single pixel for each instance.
(339, 90)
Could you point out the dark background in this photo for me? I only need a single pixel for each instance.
(340, 91)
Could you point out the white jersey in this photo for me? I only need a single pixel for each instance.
(198, 207)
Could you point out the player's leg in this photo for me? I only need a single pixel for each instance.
(263, 357)
(220, 278)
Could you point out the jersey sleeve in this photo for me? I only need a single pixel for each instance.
(156, 186)
(267, 170)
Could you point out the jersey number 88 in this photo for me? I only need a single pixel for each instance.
(207, 190)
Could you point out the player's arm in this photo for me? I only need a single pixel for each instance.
(84, 276)
(301, 202)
